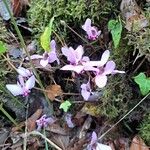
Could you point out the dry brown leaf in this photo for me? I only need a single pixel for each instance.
(53, 91)
(18, 5)
(138, 144)
(31, 122)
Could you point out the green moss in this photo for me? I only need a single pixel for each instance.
(144, 129)
(72, 12)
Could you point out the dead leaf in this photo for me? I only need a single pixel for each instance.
(31, 122)
(92, 109)
(77, 144)
(133, 15)
(56, 128)
(138, 144)
(53, 91)
(60, 140)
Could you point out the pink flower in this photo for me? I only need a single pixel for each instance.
(91, 31)
(24, 72)
(75, 57)
(86, 90)
(44, 121)
(47, 57)
(22, 87)
(94, 145)
(102, 69)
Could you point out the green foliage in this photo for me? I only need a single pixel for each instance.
(115, 26)
(46, 36)
(143, 82)
(72, 12)
(2, 48)
(144, 129)
(140, 42)
(65, 105)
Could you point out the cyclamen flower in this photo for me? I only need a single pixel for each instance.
(102, 68)
(94, 145)
(91, 31)
(48, 57)
(86, 90)
(22, 87)
(44, 121)
(75, 57)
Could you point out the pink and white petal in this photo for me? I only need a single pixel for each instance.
(98, 33)
(77, 69)
(53, 45)
(53, 57)
(90, 68)
(79, 52)
(117, 71)
(102, 147)
(87, 25)
(15, 89)
(94, 63)
(21, 80)
(85, 59)
(105, 57)
(86, 94)
(30, 82)
(109, 68)
(23, 72)
(93, 138)
(65, 50)
(101, 80)
(44, 62)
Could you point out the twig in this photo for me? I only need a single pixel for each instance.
(123, 117)
(45, 138)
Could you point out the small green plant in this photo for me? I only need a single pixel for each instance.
(65, 105)
(143, 82)
(115, 27)
(3, 48)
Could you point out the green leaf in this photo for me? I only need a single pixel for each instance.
(115, 26)
(3, 48)
(65, 105)
(143, 82)
(46, 36)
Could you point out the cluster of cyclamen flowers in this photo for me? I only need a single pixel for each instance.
(77, 63)
(25, 82)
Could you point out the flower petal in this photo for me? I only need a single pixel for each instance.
(35, 56)
(77, 69)
(105, 57)
(53, 57)
(53, 45)
(93, 138)
(109, 68)
(101, 80)
(79, 52)
(102, 147)
(23, 72)
(30, 82)
(87, 25)
(70, 54)
(44, 62)
(117, 71)
(15, 89)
